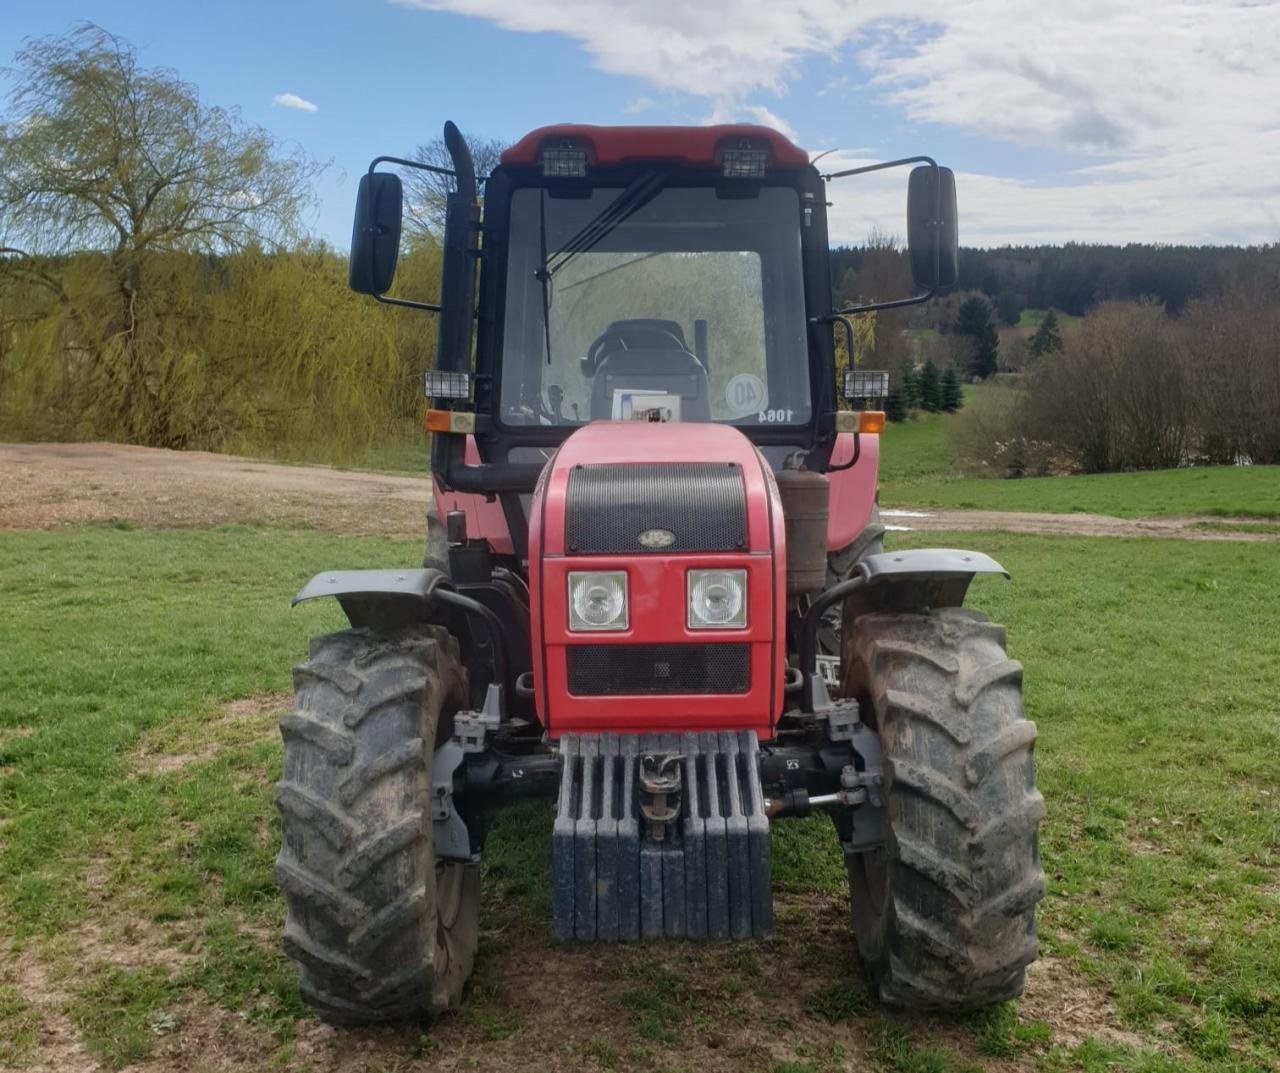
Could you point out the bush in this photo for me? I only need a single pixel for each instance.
(1133, 388)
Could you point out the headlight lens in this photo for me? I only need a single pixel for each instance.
(717, 599)
(598, 600)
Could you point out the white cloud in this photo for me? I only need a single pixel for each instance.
(1173, 98)
(727, 112)
(292, 100)
(639, 104)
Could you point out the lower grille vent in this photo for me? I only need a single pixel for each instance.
(619, 670)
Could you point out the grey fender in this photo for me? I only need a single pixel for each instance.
(382, 599)
(918, 579)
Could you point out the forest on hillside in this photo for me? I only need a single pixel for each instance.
(1075, 277)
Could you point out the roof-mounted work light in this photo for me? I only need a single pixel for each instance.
(744, 162)
(563, 161)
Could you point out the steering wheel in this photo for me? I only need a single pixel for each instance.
(614, 337)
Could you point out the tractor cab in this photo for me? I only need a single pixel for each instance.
(654, 592)
(666, 274)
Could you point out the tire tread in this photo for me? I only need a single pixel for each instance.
(957, 929)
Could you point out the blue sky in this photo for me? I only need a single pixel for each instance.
(1148, 121)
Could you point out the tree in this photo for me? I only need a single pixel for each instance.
(1009, 306)
(931, 387)
(975, 328)
(100, 154)
(952, 398)
(1046, 339)
(911, 388)
(894, 408)
(426, 192)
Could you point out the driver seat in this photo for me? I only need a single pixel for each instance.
(669, 371)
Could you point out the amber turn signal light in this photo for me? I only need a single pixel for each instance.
(448, 421)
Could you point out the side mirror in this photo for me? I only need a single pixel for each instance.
(375, 234)
(933, 233)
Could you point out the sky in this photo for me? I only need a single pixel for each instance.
(1114, 121)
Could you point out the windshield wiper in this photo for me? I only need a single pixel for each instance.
(631, 200)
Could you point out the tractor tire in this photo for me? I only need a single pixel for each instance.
(944, 914)
(380, 930)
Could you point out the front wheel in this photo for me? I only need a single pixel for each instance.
(380, 929)
(944, 914)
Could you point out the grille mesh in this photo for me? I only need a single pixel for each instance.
(703, 505)
(652, 670)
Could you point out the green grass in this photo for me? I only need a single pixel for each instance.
(915, 450)
(1152, 671)
(1223, 491)
(918, 469)
(1031, 318)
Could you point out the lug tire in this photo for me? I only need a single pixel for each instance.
(379, 930)
(944, 915)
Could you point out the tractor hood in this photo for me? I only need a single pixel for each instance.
(627, 520)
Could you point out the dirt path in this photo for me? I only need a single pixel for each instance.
(1074, 524)
(48, 485)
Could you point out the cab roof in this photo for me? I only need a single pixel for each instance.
(691, 146)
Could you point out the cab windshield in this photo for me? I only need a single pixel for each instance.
(685, 304)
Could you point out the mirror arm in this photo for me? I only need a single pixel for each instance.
(937, 246)
(888, 164)
(870, 307)
(407, 302)
(430, 307)
(373, 166)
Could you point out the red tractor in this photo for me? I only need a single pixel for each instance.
(655, 593)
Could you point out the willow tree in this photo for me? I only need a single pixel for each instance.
(101, 155)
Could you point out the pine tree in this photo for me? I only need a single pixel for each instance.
(952, 398)
(931, 387)
(974, 323)
(911, 389)
(894, 408)
(1047, 339)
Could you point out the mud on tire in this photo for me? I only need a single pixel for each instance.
(944, 915)
(380, 932)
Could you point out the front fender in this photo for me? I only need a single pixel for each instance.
(382, 599)
(919, 578)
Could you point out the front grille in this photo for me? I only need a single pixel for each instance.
(695, 506)
(619, 670)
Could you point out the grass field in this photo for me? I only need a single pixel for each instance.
(1032, 318)
(918, 469)
(1222, 491)
(138, 911)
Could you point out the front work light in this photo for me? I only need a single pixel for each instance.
(597, 600)
(439, 384)
(717, 599)
(863, 384)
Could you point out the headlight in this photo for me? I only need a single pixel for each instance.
(598, 600)
(717, 599)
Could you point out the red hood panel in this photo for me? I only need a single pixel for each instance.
(657, 586)
(622, 442)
